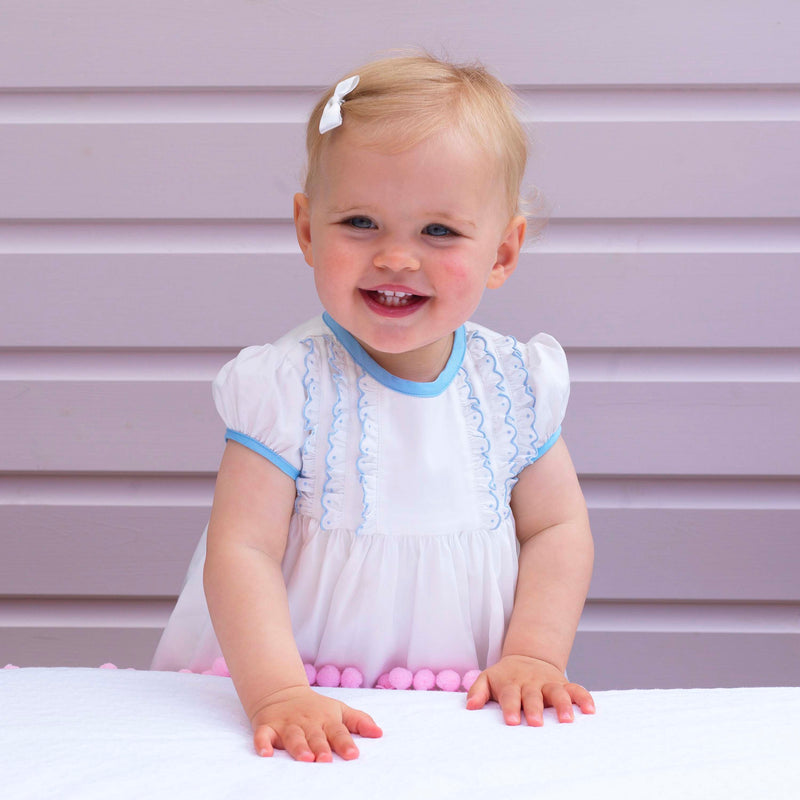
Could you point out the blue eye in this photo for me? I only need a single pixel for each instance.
(363, 223)
(437, 230)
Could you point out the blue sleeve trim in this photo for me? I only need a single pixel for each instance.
(256, 446)
(548, 444)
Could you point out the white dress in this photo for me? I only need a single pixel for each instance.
(402, 550)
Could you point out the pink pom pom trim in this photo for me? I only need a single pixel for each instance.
(328, 676)
(384, 682)
(219, 667)
(424, 679)
(352, 678)
(448, 680)
(401, 678)
(470, 676)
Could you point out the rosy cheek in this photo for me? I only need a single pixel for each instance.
(461, 279)
(455, 269)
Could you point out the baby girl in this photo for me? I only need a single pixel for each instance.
(395, 490)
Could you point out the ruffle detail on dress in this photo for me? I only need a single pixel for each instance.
(307, 478)
(524, 402)
(480, 449)
(501, 410)
(334, 486)
(367, 462)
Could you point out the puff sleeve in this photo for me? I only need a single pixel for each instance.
(541, 394)
(260, 397)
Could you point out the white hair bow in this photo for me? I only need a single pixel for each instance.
(332, 113)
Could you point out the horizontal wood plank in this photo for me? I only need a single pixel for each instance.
(721, 428)
(78, 647)
(150, 171)
(180, 42)
(696, 554)
(107, 551)
(664, 554)
(671, 660)
(684, 429)
(249, 171)
(657, 300)
(229, 299)
(600, 660)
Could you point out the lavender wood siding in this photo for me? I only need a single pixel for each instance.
(148, 154)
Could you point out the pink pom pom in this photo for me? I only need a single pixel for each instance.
(219, 667)
(311, 673)
(448, 680)
(10, 666)
(109, 665)
(424, 680)
(384, 682)
(352, 678)
(470, 676)
(401, 678)
(328, 676)
(187, 671)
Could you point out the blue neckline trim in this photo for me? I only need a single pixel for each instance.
(414, 388)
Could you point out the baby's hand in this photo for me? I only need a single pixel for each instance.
(521, 683)
(309, 726)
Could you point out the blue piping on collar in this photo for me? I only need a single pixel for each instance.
(414, 388)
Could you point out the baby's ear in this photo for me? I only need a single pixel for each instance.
(507, 252)
(302, 226)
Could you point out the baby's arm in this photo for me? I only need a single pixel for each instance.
(555, 567)
(246, 594)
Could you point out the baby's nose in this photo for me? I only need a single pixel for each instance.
(396, 258)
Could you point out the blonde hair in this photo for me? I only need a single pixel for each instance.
(401, 101)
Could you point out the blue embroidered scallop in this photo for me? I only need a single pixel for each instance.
(481, 448)
(333, 488)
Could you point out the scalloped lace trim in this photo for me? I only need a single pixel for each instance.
(525, 407)
(333, 488)
(306, 480)
(506, 440)
(480, 448)
(367, 462)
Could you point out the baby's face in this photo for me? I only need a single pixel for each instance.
(403, 245)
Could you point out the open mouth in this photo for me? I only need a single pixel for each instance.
(393, 300)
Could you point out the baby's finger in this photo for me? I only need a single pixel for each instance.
(341, 741)
(557, 696)
(264, 739)
(318, 742)
(360, 723)
(510, 700)
(480, 693)
(296, 745)
(581, 698)
(533, 707)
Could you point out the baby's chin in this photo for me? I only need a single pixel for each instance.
(420, 361)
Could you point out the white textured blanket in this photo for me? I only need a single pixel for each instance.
(80, 733)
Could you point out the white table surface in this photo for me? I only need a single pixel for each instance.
(82, 733)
